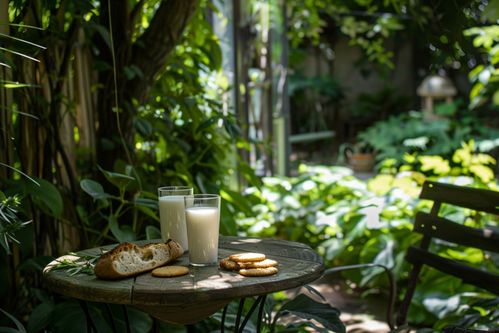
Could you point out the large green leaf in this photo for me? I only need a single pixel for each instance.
(20, 327)
(441, 304)
(46, 196)
(152, 232)
(119, 180)
(122, 233)
(40, 317)
(145, 202)
(138, 320)
(94, 189)
(305, 307)
(70, 317)
(491, 12)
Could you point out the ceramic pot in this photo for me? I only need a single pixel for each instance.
(361, 162)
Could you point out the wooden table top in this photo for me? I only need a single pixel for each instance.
(204, 290)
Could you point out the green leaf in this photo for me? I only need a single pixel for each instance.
(20, 327)
(119, 180)
(153, 214)
(94, 189)
(143, 127)
(305, 307)
(14, 85)
(123, 233)
(145, 202)
(236, 199)
(103, 32)
(152, 232)
(46, 196)
(491, 12)
(441, 304)
(69, 317)
(227, 224)
(40, 317)
(139, 321)
(207, 124)
(495, 98)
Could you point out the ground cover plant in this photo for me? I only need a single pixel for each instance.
(351, 221)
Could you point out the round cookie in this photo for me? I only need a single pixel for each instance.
(228, 264)
(258, 264)
(170, 271)
(247, 257)
(258, 271)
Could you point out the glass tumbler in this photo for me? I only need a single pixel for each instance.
(172, 213)
(202, 216)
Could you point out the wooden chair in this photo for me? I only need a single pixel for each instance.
(432, 226)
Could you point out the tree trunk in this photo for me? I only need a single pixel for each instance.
(149, 53)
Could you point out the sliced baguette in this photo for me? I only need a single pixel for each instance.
(128, 259)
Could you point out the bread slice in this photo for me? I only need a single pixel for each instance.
(129, 259)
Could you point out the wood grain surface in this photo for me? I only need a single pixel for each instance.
(204, 290)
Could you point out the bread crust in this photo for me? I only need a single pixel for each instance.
(105, 265)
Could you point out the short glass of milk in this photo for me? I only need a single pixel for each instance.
(202, 216)
(172, 213)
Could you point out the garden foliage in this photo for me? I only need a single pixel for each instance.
(410, 133)
(351, 221)
(168, 116)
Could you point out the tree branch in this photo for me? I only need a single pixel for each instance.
(135, 12)
(151, 50)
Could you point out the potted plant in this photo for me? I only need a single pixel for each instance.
(360, 156)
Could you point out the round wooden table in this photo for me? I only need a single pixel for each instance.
(193, 297)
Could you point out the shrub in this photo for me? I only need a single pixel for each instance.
(351, 221)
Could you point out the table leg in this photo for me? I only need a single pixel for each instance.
(155, 325)
(127, 321)
(111, 317)
(239, 313)
(259, 319)
(90, 324)
(222, 324)
(260, 300)
(239, 326)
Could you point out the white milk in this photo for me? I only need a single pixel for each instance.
(172, 217)
(202, 226)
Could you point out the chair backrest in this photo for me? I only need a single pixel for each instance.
(431, 226)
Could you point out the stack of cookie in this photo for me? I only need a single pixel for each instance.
(250, 264)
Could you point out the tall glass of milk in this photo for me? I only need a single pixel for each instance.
(202, 216)
(172, 213)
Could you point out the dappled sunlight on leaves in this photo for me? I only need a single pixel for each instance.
(436, 164)
(381, 184)
(351, 221)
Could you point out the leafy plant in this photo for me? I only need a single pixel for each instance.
(10, 222)
(351, 221)
(304, 307)
(19, 326)
(484, 76)
(379, 105)
(303, 313)
(360, 147)
(314, 101)
(110, 210)
(410, 133)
